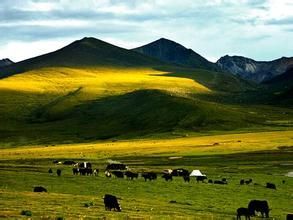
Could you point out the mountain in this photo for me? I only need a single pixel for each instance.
(286, 77)
(92, 90)
(172, 52)
(87, 52)
(282, 87)
(5, 62)
(258, 71)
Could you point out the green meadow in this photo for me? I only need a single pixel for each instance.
(264, 157)
(150, 116)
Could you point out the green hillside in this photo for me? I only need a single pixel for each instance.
(282, 88)
(81, 53)
(91, 90)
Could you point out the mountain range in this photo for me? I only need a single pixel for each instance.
(246, 68)
(91, 90)
(92, 52)
(258, 71)
(85, 52)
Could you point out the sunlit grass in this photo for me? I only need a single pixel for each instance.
(97, 81)
(216, 144)
(23, 92)
(235, 156)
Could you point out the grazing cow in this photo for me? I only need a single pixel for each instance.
(271, 186)
(186, 178)
(220, 182)
(118, 174)
(149, 176)
(96, 172)
(83, 165)
(111, 202)
(242, 182)
(167, 177)
(69, 162)
(50, 171)
(259, 206)
(89, 171)
(247, 182)
(180, 172)
(289, 216)
(75, 171)
(201, 178)
(210, 181)
(39, 189)
(243, 212)
(58, 172)
(116, 166)
(82, 171)
(131, 175)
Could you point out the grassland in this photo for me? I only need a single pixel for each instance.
(262, 156)
(151, 118)
(88, 104)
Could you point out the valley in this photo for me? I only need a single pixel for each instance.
(107, 103)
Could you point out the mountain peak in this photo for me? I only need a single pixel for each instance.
(164, 42)
(5, 62)
(172, 52)
(88, 42)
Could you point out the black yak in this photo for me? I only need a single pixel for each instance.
(58, 172)
(271, 186)
(131, 175)
(167, 177)
(111, 202)
(243, 212)
(39, 189)
(259, 206)
(149, 176)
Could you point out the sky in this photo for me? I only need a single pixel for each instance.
(259, 29)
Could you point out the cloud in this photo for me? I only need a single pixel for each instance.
(212, 28)
(284, 21)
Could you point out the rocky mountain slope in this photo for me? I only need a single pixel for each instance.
(258, 71)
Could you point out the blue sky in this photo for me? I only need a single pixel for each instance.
(260, 29)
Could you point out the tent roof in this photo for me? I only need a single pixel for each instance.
(196, 173)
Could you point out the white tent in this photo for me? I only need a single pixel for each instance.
(196, 173)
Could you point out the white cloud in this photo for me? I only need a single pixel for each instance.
(212, 28)
(39, 6)
(48, 23)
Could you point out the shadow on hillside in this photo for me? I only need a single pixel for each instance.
(227, 89)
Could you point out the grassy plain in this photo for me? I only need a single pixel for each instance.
(150, 119)
(264, 157)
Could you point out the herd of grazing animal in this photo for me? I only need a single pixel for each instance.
(121, 171)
